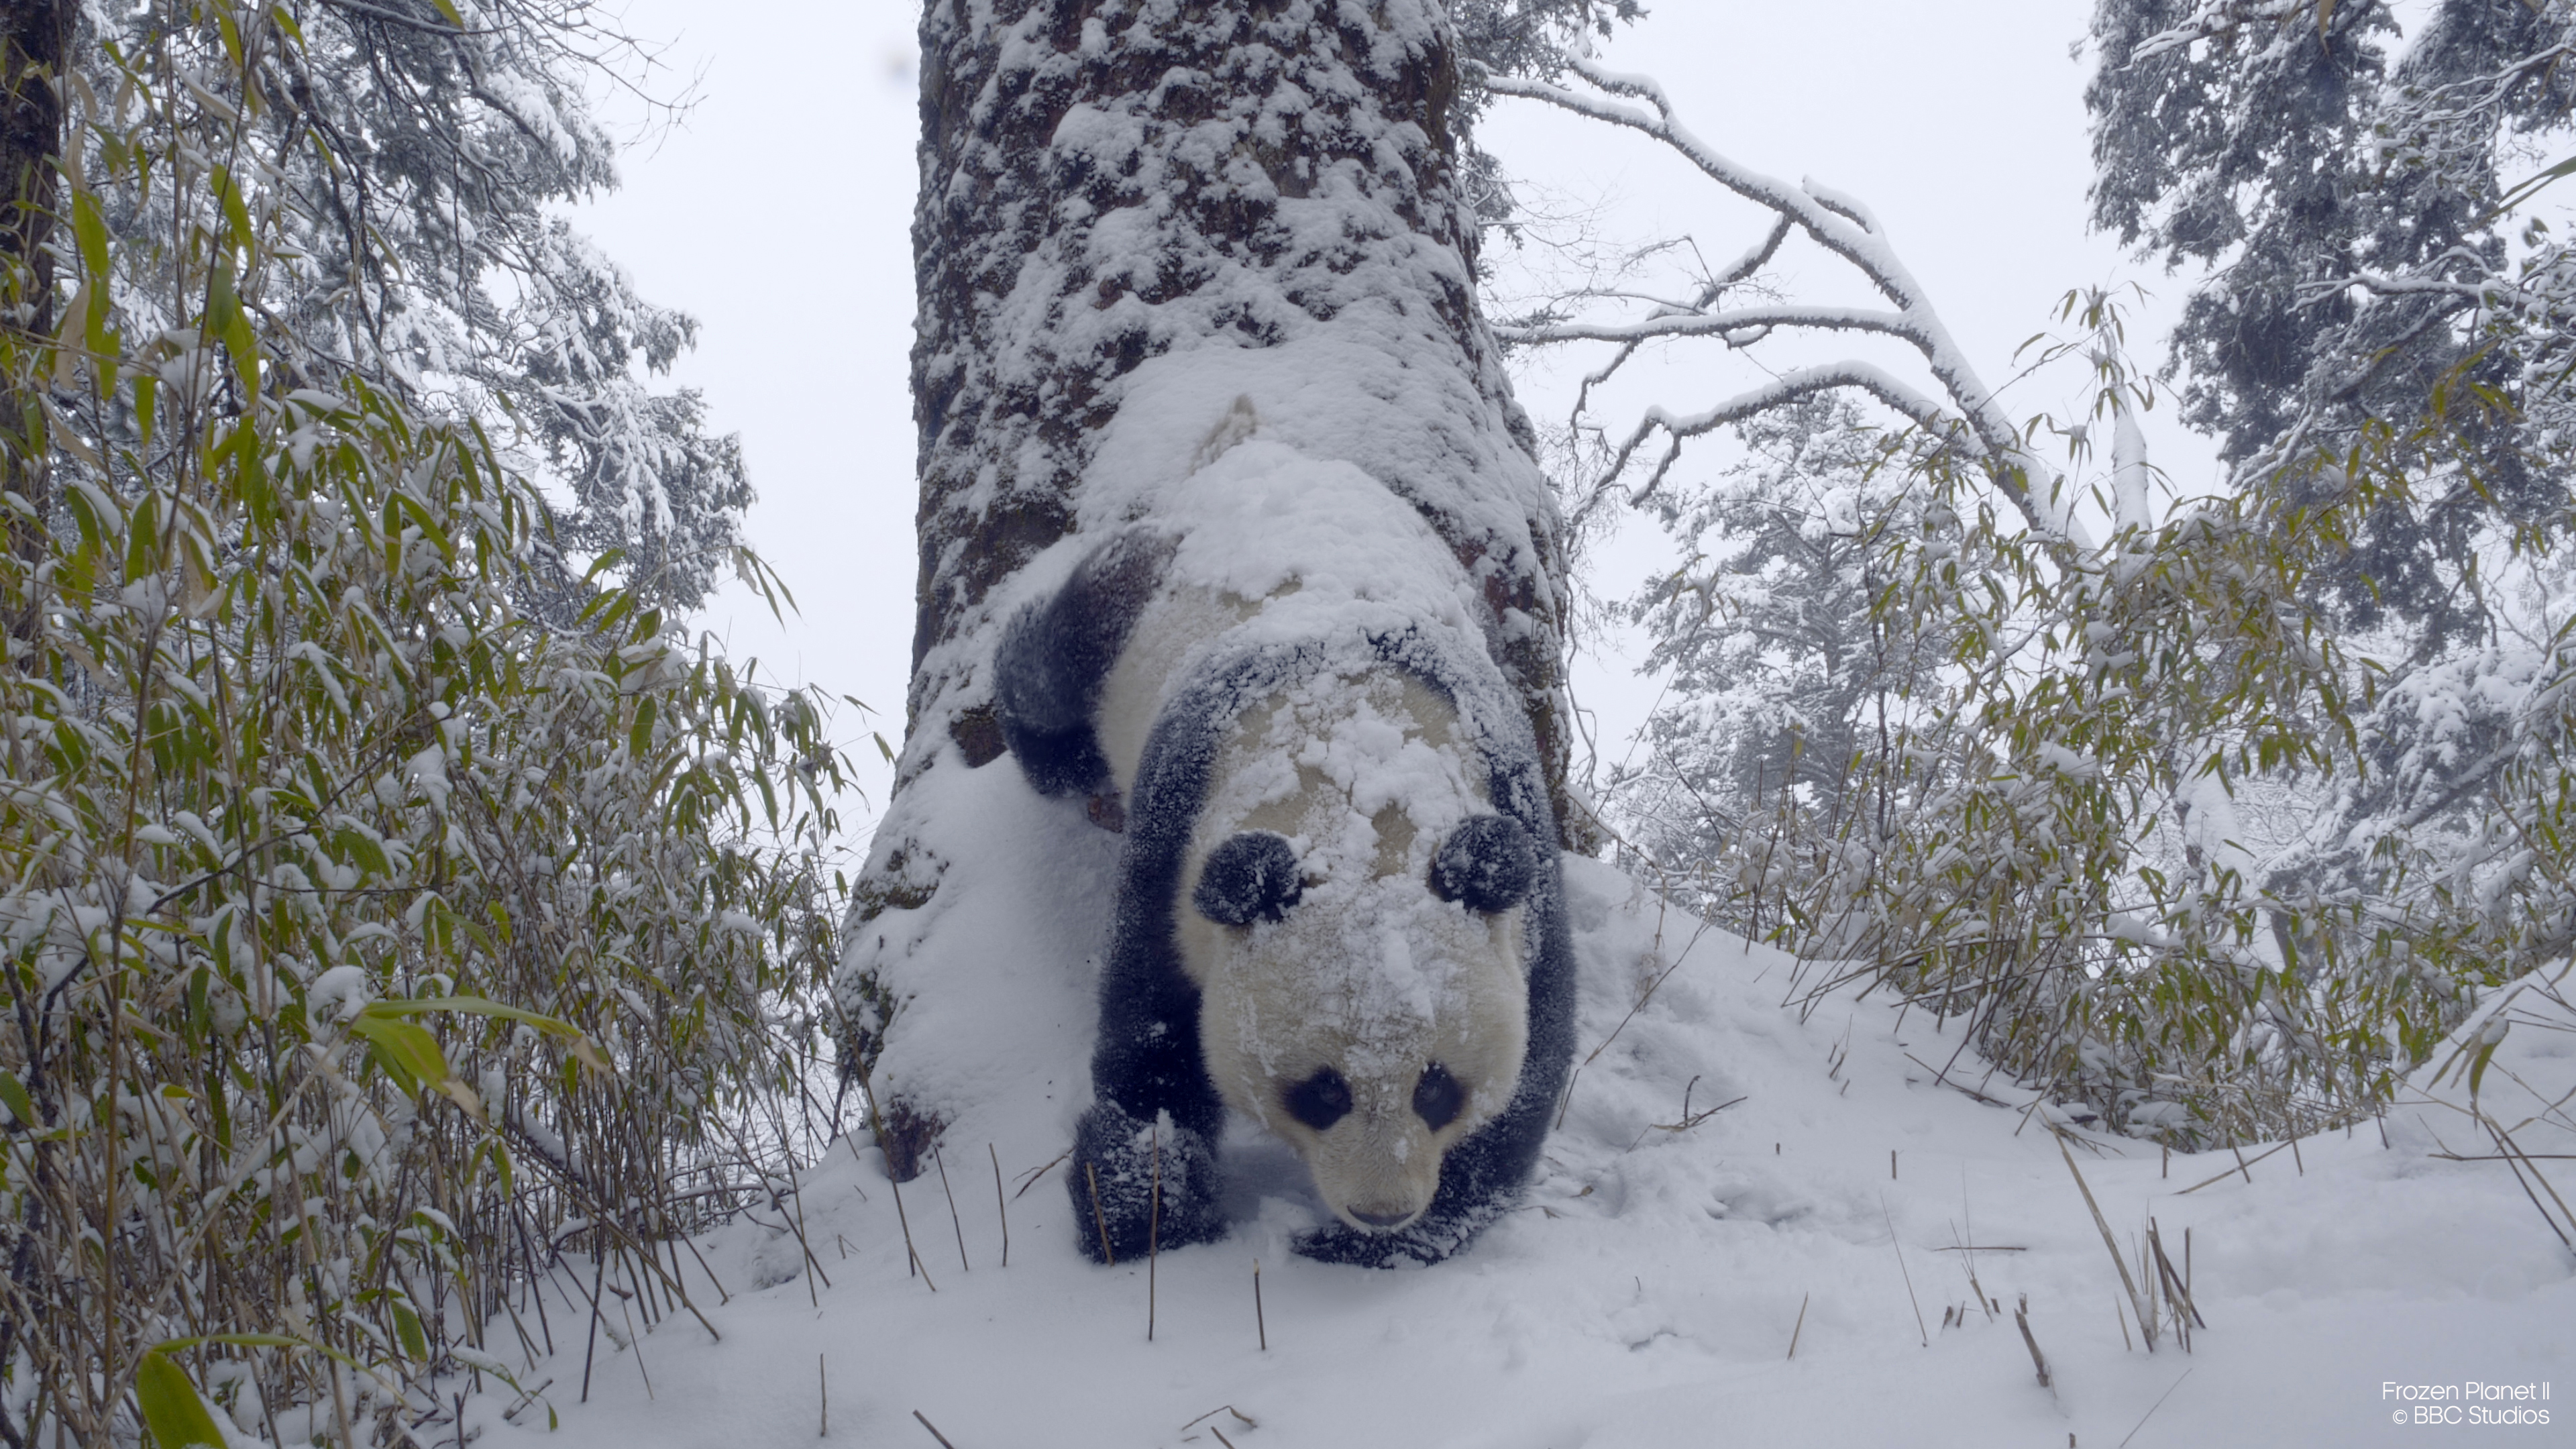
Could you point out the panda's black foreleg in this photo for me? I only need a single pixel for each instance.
(1118, 1161)
(1156, 1120)
(1057, 653)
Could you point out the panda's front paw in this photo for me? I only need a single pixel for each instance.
(1118, 1159)
(1437, 1236)
(1410, 1248)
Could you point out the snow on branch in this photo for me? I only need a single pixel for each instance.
(1779, 392)
(2216, 18)
(1969, 416)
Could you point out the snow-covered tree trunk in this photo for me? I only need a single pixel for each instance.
(1134, 213)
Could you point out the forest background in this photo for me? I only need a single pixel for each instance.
(431, 681)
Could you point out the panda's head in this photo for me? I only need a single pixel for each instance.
(1373, 1023)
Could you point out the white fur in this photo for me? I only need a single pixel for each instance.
(1366, 773)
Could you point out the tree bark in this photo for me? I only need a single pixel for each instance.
(1128, 203)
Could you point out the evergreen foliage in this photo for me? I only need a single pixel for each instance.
(1776, 656)
(385, 910)
(2214, 827)
(2339, 185)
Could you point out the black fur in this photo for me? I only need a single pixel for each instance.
(1252, 877)
(1146, 1068)
(1486, 863)
(1056, 655)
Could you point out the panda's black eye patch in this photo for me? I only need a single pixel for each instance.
(1486, 864)
(1319, 1101)
(1252, 877)
(1437, 1097)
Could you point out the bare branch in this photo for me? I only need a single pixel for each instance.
(1786, 388)
(1843, 226)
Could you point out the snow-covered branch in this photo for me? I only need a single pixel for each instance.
(1779, 392)
(1726, 326)
(1841, 225)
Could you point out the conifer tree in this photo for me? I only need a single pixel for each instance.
(1128, 210)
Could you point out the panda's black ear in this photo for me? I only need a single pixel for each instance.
(1252, 877)
(1485, 864)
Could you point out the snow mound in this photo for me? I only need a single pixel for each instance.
(1726, 1177)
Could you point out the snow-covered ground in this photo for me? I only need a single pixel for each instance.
(1649, 1292)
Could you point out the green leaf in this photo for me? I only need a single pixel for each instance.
(2478, 1063)
(356, 846)
(172, 1409)
(223, 307)
(141, 534)
(639, 738)
(477, 1006)
(15, 1098)
(406, 1050)
(236, 213)
(407, 1327)
(91, 229)
(2531, 187)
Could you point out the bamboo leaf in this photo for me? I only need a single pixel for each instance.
(172, 1409)
(404, 1049)
(407, 1328)
(13, 1095)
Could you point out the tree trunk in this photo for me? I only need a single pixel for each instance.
(1131, 214)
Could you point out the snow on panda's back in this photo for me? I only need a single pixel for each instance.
(1274, 547)
(1374, 1020)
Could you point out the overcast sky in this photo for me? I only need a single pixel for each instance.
(778, 214)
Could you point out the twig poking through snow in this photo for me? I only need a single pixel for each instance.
(2038, 1360)
(1001, 1203)
(953, 1220)
(934, 1431)
(2151, 1410)
(2146, 1320)
(1032, 1179)
(2242, 1162)
(1800, 1326)
(913, 1257)
(1926, 1333)
(1153, 1230)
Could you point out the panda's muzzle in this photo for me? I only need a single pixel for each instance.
(1384, 1219)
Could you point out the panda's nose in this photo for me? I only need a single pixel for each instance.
(1383, 1217)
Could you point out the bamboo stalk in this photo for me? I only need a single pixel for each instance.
(2144, 1322)
(2038, 1360)
(953, 1220)
(1001, 1203)
(1153, 1229)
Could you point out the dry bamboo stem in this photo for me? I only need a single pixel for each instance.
(1001, 1203)
(953, 1220)
(2145, 1322)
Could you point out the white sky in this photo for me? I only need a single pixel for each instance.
(778, 214)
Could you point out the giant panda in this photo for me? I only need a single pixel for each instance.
(1339, 905)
